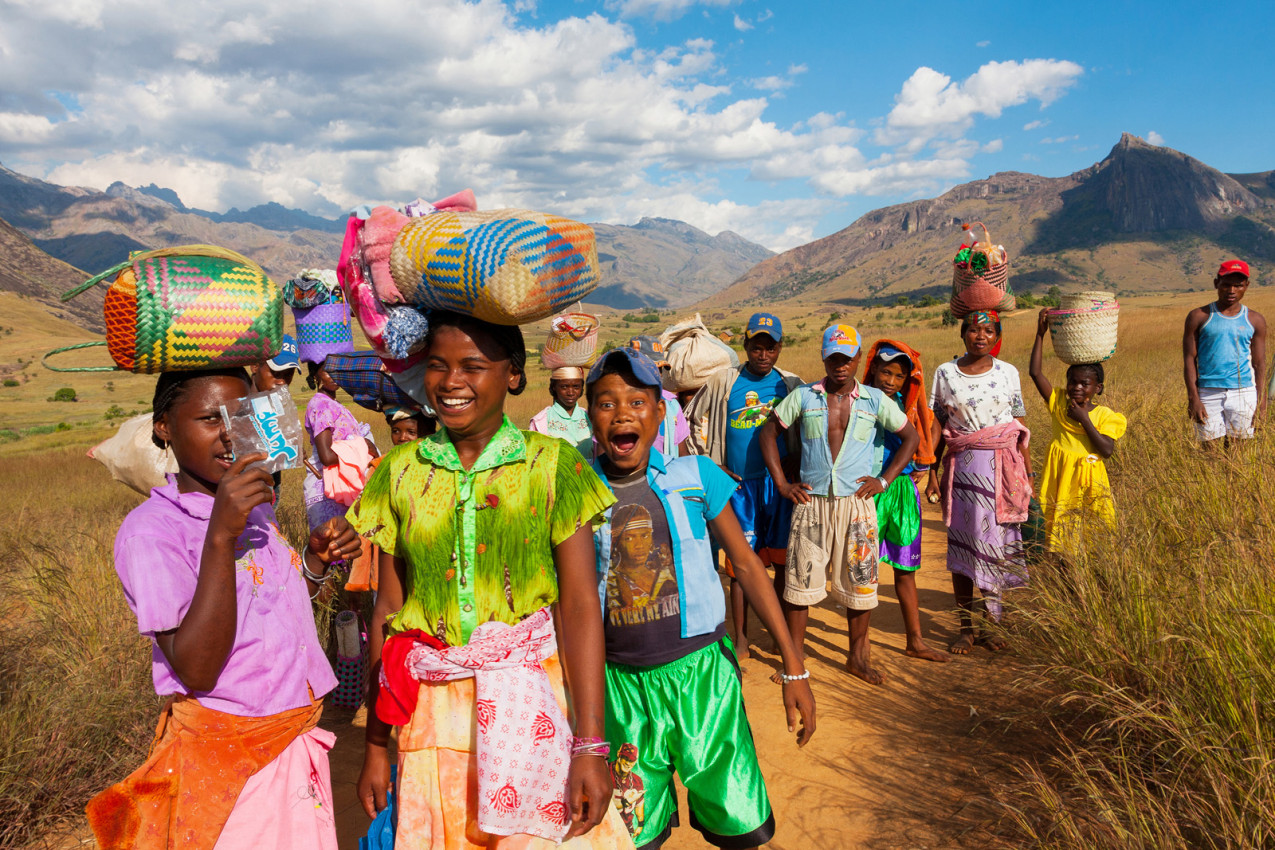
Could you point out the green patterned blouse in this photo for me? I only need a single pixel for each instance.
(478, 543)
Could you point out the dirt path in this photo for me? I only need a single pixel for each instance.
(905, 765)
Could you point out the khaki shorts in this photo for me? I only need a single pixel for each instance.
(840, 532)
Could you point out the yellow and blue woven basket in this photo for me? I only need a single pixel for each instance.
(503, 266)
(185, 308)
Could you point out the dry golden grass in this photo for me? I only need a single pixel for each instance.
(1150, 668)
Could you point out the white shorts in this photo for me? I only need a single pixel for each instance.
(1230, 413)
(837, 534)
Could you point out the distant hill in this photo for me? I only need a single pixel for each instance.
(655, 263)
(659, 262)
(31, 273)
(1146, 218)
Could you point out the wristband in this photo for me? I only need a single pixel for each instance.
(590, 747)
(305, 568)
(787, 678)
(885, 485)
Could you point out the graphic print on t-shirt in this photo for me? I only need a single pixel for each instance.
(750, 403)
(642, 583)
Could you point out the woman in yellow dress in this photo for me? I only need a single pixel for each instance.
(1074, 487)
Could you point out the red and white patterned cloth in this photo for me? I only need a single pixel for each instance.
(524, 740)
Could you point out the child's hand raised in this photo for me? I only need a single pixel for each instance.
(239, 491)
(335, 540)
(799, 703)
(1042, 322)
(1077, 411)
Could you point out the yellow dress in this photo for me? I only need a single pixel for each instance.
(1074, 486)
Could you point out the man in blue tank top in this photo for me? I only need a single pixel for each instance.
(1224, 360)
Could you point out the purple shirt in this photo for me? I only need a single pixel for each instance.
(276, 653)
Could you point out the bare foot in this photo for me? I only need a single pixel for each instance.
(962, 645)
(994, 643)
(742, 652)
(920, 649)
(871, 675)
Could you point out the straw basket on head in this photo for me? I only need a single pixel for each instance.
(1083, 329)
(983, 289)
(573, 341)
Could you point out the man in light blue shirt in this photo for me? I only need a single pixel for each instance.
(834, 523)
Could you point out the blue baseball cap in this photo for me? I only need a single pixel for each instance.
(646, 372)
(287, 356)
(764, 323)
(840, 339)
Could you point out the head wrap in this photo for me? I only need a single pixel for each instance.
(984, 317)
(394, 413)
(567, 373)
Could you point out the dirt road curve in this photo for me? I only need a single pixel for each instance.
(905, 765)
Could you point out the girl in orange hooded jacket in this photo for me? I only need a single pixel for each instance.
(895, 369)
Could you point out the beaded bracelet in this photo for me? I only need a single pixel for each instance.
(787, 678)
(590, 747)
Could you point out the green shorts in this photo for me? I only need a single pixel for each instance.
(686, 717)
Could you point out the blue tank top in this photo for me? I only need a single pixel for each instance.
(1224, 358)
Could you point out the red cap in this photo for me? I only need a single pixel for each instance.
(1233, 267)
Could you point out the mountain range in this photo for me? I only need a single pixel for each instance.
(655, 263)
(1145, 218)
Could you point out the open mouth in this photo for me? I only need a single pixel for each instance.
(454, 404)
(225, 459)
(624, 444)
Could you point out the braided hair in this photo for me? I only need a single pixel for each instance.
(173, 386)
(506, 337)
(1095, 369)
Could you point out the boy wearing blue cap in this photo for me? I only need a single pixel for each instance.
(673, 693)
(279, 370)
(834, 522)
(728, 413)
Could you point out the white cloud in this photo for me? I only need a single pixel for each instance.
(253, 102)
(1155, 138)
(1060, 140)
(1035, 125)
(742, 25)
(982, 44)
(932, 105)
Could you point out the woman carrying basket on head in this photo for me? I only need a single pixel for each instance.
(985, 486)
(225, 601)
(486, 533)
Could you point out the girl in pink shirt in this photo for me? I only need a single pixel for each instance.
(225, 601)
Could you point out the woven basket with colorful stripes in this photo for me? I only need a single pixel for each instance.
(185, 308)
(503, 266)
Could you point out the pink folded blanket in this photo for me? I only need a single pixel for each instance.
(1013, 487)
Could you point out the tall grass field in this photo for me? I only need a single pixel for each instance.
(1147, 662)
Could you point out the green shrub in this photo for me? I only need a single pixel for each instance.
(10, 382)
(63, 394)
(114, 412)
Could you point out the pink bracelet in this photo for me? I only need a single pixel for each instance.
(589, 747)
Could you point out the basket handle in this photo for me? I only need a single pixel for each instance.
(987, 237)
(44, 361)
(94, 280)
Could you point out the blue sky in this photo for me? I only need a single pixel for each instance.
(782, 122)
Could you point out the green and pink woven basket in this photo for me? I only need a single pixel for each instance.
(185, 308)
